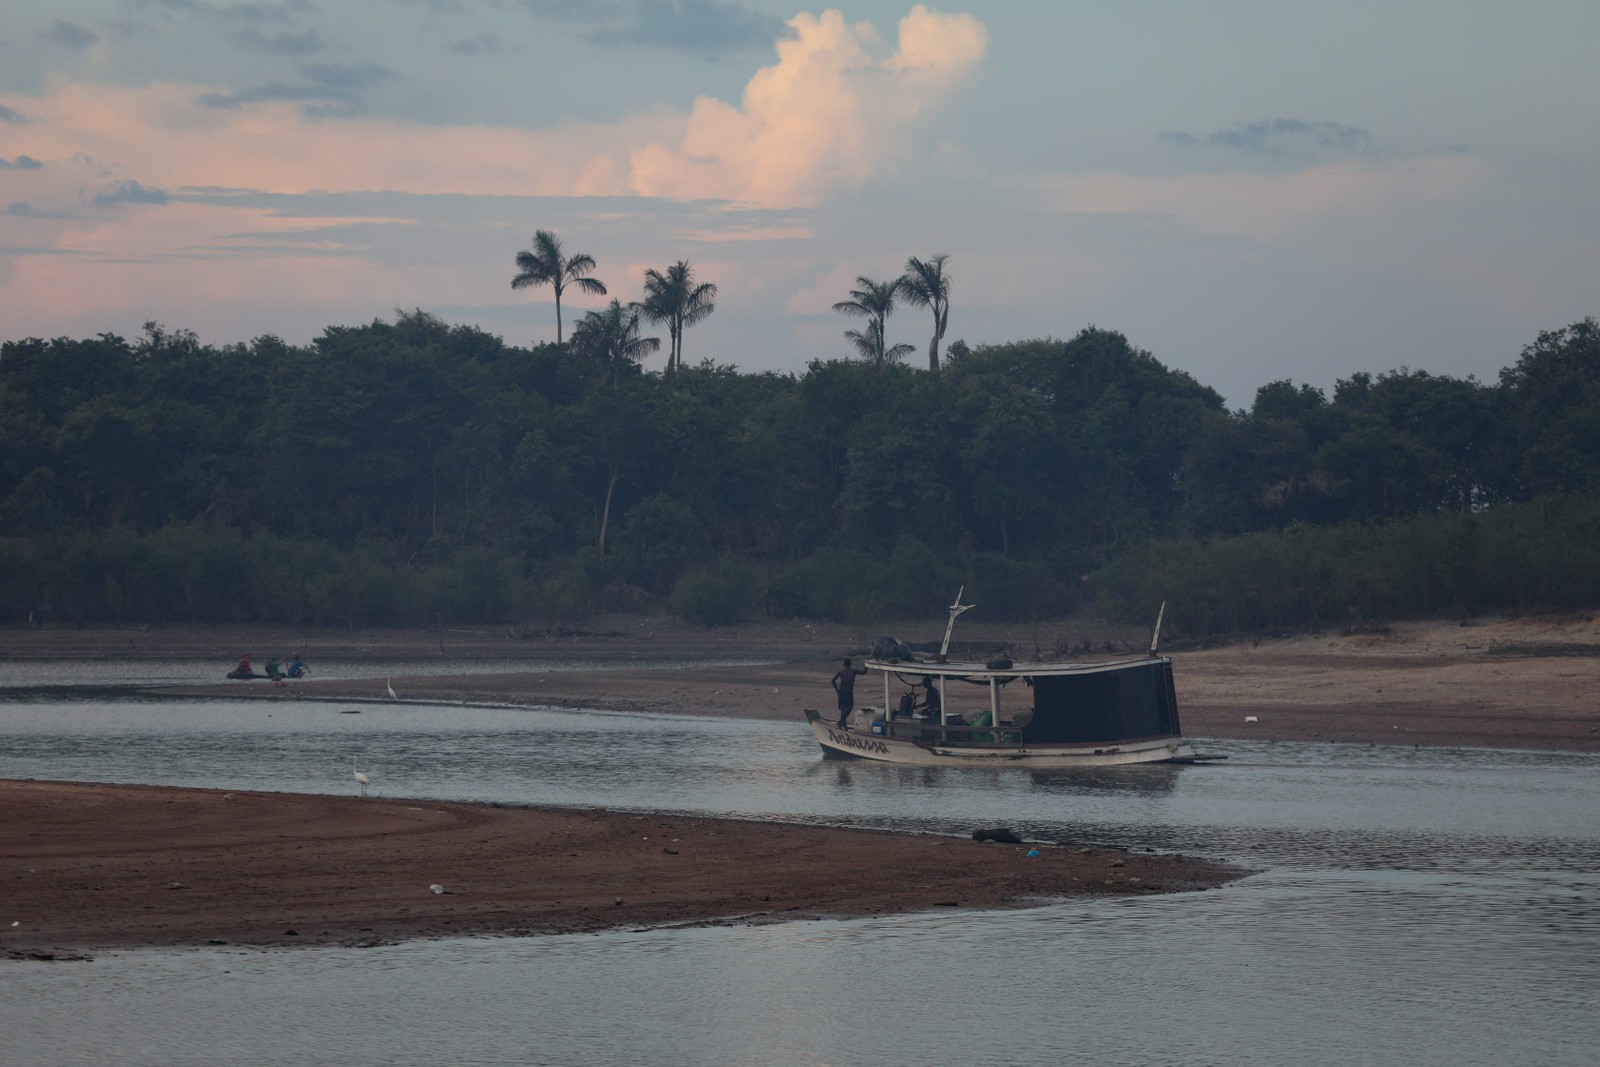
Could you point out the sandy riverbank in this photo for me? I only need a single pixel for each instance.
(91, 867)
(1515, 683)
(85, 867)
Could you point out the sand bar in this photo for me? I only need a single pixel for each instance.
(88, 867)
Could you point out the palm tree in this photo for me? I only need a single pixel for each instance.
(544, 264)
(928, 286)
(611, 338)
(869, 342)
(873, 301)
(674, 298)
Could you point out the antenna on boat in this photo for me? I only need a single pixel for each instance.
(955, 609)
(1155, 638)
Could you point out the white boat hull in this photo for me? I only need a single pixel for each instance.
(859, 742)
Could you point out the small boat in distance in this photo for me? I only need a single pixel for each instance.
(1039, 715)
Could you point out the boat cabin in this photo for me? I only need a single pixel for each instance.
(1033, 705)
(938, 713)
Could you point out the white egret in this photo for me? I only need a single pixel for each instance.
(388, 684)
(363, 779)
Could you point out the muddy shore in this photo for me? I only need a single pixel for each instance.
(85, 868)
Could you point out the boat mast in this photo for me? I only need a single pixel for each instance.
(955, 609)
(1155, 638)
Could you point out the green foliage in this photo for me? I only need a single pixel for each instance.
(1016, 589)
(569, 589)
(859, 586)
(417, 473)
(1543, 554)
(1553, 396)
(718, 595)
(610, 338)
(476, 585)
(915, 581)
(659, 537)
(818, 586)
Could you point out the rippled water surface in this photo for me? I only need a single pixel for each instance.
(1415, 905)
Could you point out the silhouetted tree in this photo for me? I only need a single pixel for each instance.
(873, 301)
(869, 342)
(925, 284)
(673, 297)
(545, 264)
(611, 338)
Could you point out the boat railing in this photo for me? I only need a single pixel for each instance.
(951, 729)
(980, 735)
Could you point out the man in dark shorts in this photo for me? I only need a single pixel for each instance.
(844, 683)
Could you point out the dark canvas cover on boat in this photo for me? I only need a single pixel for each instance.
(1104, 706)
(887, 648)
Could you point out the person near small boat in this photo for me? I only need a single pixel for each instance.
(297, 667)
(930, 705)
(844, 683)
(273, 670)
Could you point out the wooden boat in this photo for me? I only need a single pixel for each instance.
(1001, 713)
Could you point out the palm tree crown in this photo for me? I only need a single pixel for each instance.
(873, 301)
(611, 338)
(674, 298)
(544, 264)
(926, 284)
(869, 342)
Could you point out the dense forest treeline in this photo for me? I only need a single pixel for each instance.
(413, 472)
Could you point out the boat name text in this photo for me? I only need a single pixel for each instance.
(850, 741)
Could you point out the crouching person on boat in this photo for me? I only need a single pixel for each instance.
(931, 706)
(844, 684)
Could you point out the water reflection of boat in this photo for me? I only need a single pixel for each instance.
(1061, 714)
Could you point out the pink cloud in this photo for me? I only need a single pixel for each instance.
(836, 107)
(833, 110)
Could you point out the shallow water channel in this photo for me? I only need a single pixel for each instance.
(1422, 906)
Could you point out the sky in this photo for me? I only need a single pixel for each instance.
(1250, 190)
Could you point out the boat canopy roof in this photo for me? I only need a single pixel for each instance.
(982, 672)
(1072, 703)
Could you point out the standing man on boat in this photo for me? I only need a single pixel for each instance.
(844, 683)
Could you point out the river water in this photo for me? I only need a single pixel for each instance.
(1414, 906)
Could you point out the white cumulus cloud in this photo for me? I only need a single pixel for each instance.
(832, 111)
(835, 108)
